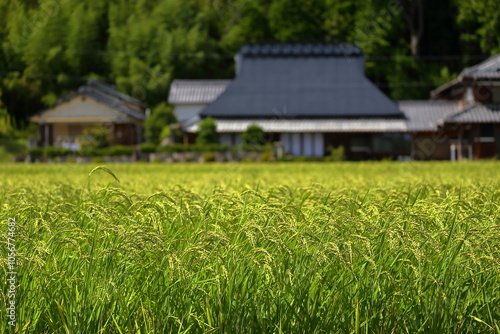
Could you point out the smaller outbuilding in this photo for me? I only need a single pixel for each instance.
(476, 123)
(93, 104)
(190, 97)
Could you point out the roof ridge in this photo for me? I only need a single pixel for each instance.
(492, 64)
(201, 80)
(108, 89)
(430, 101)
(300, 49)
(462, 111)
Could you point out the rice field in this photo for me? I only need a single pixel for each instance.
(376, 247)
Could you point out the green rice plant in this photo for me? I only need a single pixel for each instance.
(285, 248)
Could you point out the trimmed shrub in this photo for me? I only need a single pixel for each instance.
(199, 148)
(54, 152)
(148, 147)
(207, 133)
(256, 148)
(254, 136)
(208, 157)
(36, 152)
(119, 150)
(161, 116)
(266, 156)
(337, 154)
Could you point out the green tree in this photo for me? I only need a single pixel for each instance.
(243, 21)
(479, 23)
(161, 117)
(143, 45)
(254, 135)
(86, 38)
(5, 120)
(292, 20)
(95, 137)
(207, 132)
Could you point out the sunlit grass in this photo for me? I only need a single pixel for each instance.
(285, 248)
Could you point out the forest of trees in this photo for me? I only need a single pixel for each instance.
(50, 47)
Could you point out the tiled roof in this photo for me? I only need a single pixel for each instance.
(485, 75)
(305, 86)
(306, 125)
(424, 115)
(477, 113)
(490, 68)
(196, 91)
(110, 90)
(298, 50)
(428, 115)
(486, 70)
(421, 116)
(108, 95)
(112, 98)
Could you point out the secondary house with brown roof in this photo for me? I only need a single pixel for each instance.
(93, 104)
(476, 92)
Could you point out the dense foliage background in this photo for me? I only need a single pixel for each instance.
(49, 47)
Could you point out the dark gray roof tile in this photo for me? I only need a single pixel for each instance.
(196, 91)
(300, 50)
(108, 95)
(111, 90)
(307, 87)
(490, 65)
(476, 113)
(486, 70)
(425, 115)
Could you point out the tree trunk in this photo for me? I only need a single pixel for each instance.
(413, 11)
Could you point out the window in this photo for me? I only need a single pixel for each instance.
(360, 144)
(486, 130)
(390, 142)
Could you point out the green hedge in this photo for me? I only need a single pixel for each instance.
(50, 152)
(36, 152)
(113, 151)
(204, 148)
(148, 147)
(121, 150)
(54, 152)
(118, 151)
(199, 148)
(255, 148)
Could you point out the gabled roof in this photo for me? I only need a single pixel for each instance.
(486, 70)
(109, 90)
(103, 93)
(301, 81)
(490, 68)
(477, 113)
(425, 115)
(196, 91)
(428, 115)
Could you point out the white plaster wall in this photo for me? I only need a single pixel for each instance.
(187, 111)
(319, 145)
(296, 141)
(285, 139)
(308, 144)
